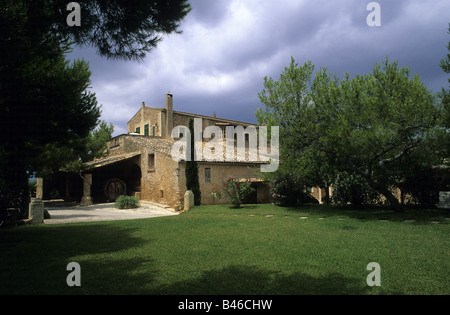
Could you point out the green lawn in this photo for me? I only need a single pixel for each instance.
(258, 249)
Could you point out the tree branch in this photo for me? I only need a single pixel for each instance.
(400, 154)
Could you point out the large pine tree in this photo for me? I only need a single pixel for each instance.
(45, 99)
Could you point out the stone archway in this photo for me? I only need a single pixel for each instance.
(115, 179)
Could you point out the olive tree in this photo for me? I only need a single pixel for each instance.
(377, 125)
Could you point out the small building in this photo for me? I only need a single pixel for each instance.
(141, 163)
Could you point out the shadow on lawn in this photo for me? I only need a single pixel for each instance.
(34, 260)
(251, 280)
(420, 216)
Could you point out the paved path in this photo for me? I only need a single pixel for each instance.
(104, 212)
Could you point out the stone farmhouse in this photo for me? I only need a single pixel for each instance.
(140, 163)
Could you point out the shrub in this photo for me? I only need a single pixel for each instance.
(353, 189)
(287, 190)
(127, 202)
(214, 195)
(425, 183)
(237, 190)
(54, 194)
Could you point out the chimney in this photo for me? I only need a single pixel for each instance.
(142, 117)
(169, 114)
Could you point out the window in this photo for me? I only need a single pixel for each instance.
(151, 162)
(146, 130)
(138, 130)
(161, 194)
(207, 175)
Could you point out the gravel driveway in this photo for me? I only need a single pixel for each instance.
(67, 213)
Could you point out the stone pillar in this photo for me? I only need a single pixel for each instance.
(169, 114)
(142, 118)
(330, 191)
(444, 200)
(40, 188)
(86, 200)
(137, 194)
(36, 211)
(188, 200)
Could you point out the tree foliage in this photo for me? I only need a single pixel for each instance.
(444, 95)
(71, 156)
(126, 29)
(117, 28)
(425, 183)
(237, 190)
(377, 126)
(45, 100)
(353, 189)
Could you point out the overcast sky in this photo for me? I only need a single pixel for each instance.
(227, 48)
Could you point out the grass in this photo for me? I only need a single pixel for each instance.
(258, 249)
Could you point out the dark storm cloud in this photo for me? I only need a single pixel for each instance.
(410, 34)
(209, 12)
(227, 47)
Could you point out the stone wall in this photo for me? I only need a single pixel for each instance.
(165, 184)
(220, 172)
(121, 145)
(150, 116)
(444, 200)
(320, 193)
(160, 183)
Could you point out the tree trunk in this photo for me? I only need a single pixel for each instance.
(14, 188)
(382, 189)
(327, 194)
(392, 199)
